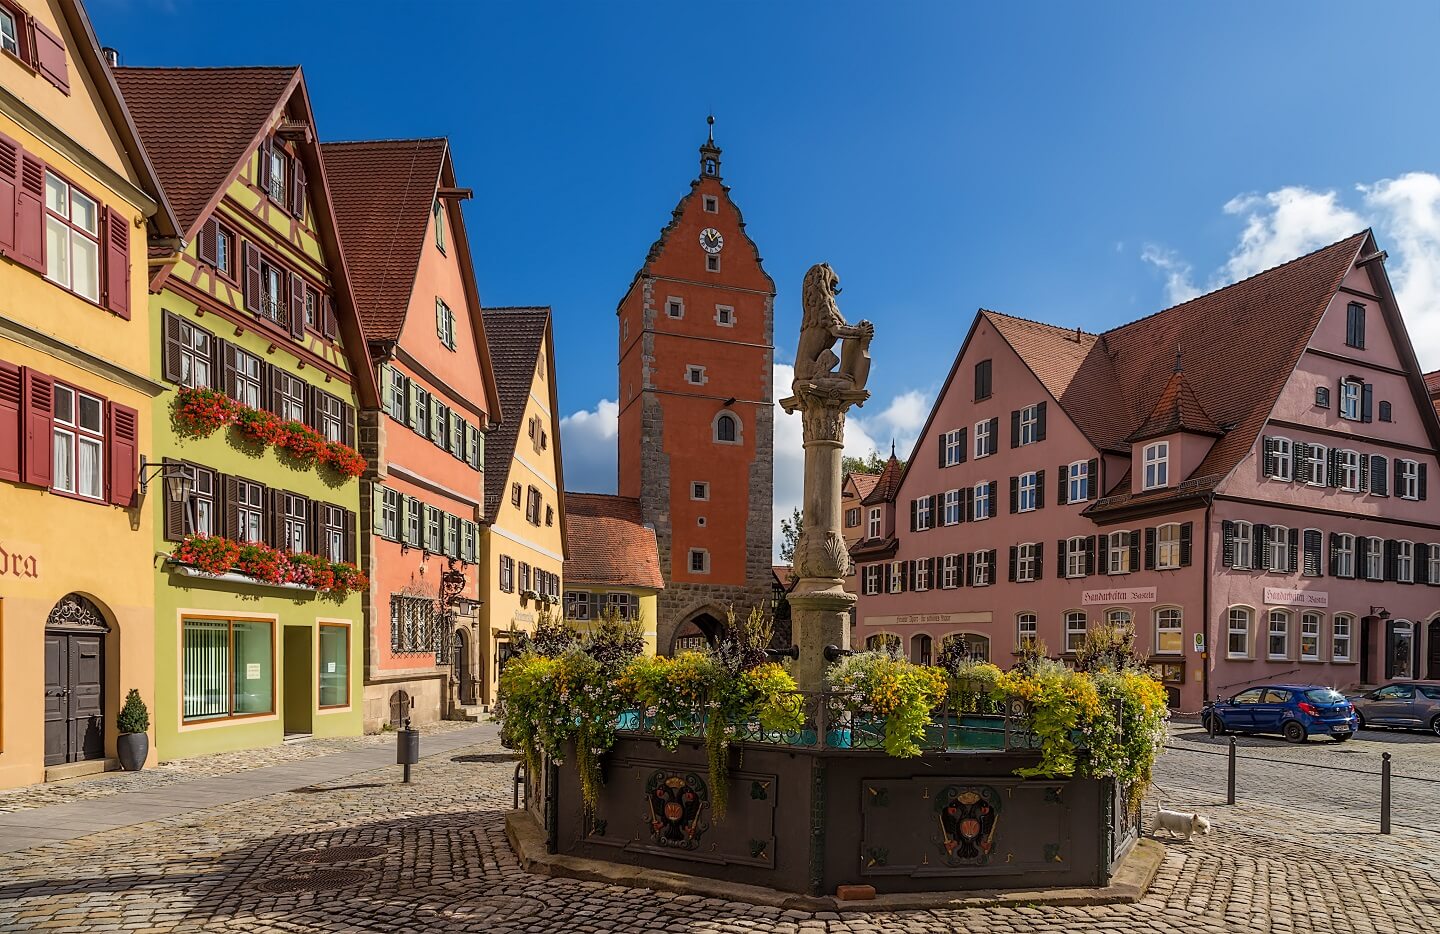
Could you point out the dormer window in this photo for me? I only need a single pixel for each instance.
(1157, 465)
(1351, 391)
(279, 164)
(872, 528)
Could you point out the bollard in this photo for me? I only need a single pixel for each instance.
(1230, 778)
(407, 748)
(1385, 793)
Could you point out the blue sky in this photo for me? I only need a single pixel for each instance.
(1079, 163)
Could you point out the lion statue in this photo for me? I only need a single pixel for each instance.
(821, 325)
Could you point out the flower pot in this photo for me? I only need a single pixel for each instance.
(132, 748)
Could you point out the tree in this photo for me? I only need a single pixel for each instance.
(874, 463)
(789, 535)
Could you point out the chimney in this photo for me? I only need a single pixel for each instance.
(111, 56)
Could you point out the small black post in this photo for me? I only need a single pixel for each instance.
(1385, 793)
(1230, 779)
(407, 748)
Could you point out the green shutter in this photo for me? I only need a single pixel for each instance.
(387, 386)
(407, 503)
(412, 396)
(377, 509)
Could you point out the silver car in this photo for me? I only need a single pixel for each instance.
(1409, 704)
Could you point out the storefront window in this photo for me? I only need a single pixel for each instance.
(1401, 650)
(228, 668)
(334, 666)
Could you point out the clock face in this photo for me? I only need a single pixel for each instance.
(710, 240)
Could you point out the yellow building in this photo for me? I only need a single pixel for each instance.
(79, 208)
(611, 562)
(522, 552)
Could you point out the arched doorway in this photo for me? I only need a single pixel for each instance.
(75, 633)
(699, 632)
(460, 668)
(1432, 639)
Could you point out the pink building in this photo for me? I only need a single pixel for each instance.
(1242, 478)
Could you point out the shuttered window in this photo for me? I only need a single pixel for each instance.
(329, 415)
(72, 238)
(1355, 326)
(187, 352)
(287, 394)
(244, 510)
(241, 375)
(445, 323)
(78, 442)
(332, 532)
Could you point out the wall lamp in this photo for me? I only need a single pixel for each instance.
(1379, 612)
(179, 479)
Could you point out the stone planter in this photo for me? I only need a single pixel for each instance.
(132, 749)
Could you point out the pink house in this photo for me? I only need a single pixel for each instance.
(1242, 478)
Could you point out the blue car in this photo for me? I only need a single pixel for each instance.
(1295, 711)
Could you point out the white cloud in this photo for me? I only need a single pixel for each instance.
(1409, 208)
(1179, 284)
(588, 437)
(1282, 225)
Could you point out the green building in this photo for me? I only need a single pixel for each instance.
(258, 629)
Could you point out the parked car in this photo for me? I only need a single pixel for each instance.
(1413, 705)
(1295, 711)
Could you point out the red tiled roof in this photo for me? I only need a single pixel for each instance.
(198, 123)
(1176, 410)
(864, 483)
(1432, 382)
(887, 484)
(515, 335)
(383, 191)
(609, 543)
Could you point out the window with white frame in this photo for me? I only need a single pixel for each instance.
(1279, 557)
(984, 439)
(923, 518)
(1157, 465)
(712, 204)
(897, 576)
(1408, 476)
(1077, 549)
(1120, 618)
(1237, 641)
(922, 574)
(982, 501)
(852, 517)
(699, 561)
(1343, 556)
(1310, 636)
(78, 443)
(1028, 492)
(1169, 631)
(700, 490)
(1027, 629)
(444, 323)
(950, 572)
(727, 429)
(1405, 562)
(1029, 425)
(1347, 470)
(1076, 625)
(675, 307)
(1340, 629)
(695, 375)
(872, 526)
(577, 604)
(1350, 392)
(1167, 546)
(725, 316)
(1078, 482)
(874, 574)
(9, 34)
(1316, 457)
(1244, 542)
(72, 238)
(1432, 563)
(952, 506)
(1282, 459)
(1119, 561)
(1374, 559)
(1277, 644)
(982, 567)
(954, 447)
(1026, 558)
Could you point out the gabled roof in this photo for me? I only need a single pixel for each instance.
(1176, 410)
(1432, 382)
(864, 482)
(516, 336)
(607, 542)
(198, 123)
(887, 484)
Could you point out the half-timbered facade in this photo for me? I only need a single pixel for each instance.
(78, 204)
(1241, 479)
(262, 357)
(409, 257)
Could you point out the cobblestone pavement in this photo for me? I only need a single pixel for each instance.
(437, 861)
(222, 763)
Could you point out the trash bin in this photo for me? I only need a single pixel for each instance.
(407, 749)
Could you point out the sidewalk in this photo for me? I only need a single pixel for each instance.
(23, 829)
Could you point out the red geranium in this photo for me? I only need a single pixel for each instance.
(342, 459)
(263, 563)
(257, 425)
(209, 553)
(311, 571)
(300, 441)
(199, 412)
(348, 579)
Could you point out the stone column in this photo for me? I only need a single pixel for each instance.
(819, 604)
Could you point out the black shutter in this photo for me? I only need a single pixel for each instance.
(1089, 556)
(1062, 556)
(1014, 494)
(1267, 448)
(909, 575)
(1421, 563)
(885, 577)
(1300, 452)
(969, 568)
(944, 437)
(994, 498)
(1367, 402)
(170, 362)
(1015, 428)
(914, 514)
(1039, 489)
(934, 573)
(174, 519)
(349, 530)
(1334, 554)
(1187, 548)
(1364, 472)
(1062, 484)
(1399, 476)
(347, 424)
(936, 501)
(1294, 550)
(1150, 548)
(1135, 550)
(1391, 549)
(990, 564)
(1260, 549)
(1227, 546)
(1422, 480)
(1014, 561)
(230, 506)
(1092, 483)
(1332, 469)
(1040, 422)
(1102, 548)
(251, 254)
(1379, 475)
(964, 444)
(1039, 560)
(967, 501)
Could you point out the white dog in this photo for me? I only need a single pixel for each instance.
(1179, 824)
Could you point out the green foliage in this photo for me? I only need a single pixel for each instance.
(874, 462)
(553, 636)
(790, 534)
(1109, 647)
(134, 717)
(904, 694)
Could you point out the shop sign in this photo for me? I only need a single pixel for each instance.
(936, 619)
(1118, 595)
(17, 564)
(1281, 596)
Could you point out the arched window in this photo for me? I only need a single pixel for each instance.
(1239, 620)
(727, 428)
(1076, 625)
(1278, 644)
(977, 647)
(1120, 618)
(1027, 629)
(1341, 629)
(920, 647)
(1169, 631)
(882, 641)
(1310, 624)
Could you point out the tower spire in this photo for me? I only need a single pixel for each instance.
(710, 153)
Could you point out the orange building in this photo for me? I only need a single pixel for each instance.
(696, 413)
(404, 239)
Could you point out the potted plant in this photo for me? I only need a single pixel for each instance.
(133, 744)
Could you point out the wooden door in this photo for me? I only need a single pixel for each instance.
(74, 697)
(57, 704)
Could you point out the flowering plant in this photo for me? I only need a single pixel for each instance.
(263, 563)
(257, 425)
(346, 578)
(200, 411)
(209, 553)
(300, 441)
(342, 459)
(311, 571)
(879, 683)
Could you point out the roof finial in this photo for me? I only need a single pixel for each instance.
(711, 121)
(892, 447)
(1179, 358)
